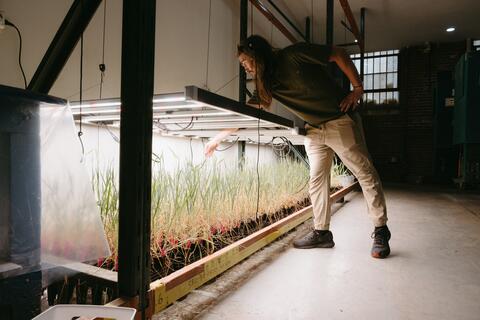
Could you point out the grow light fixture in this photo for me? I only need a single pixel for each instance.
(195, 113)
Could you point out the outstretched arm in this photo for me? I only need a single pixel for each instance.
(213, 144)
(341, 58)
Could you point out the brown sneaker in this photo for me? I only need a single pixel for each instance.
(315, 239)
(380, 248)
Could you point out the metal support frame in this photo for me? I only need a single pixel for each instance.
(329, 27)
(308, 30)
(362, 48)
(353, 24)
(304, 36)
(65, 40)
(242, 83)
(138, 44)
(269, 15)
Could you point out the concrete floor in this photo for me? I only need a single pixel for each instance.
(432, 273)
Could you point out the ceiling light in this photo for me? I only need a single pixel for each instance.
(168, 99)
(450, 29)
(356, 40)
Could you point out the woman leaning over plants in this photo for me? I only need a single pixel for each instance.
(298, 77)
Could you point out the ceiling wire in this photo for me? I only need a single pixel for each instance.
(208, 42)
(102, 66)
(80, 132)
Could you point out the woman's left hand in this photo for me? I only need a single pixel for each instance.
(351, 100)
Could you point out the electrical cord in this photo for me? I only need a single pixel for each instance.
(163, 127)
(258, 135)
(102, 66)
(188, 126)
(229, 81)
(229, 146)
(8, 23)
(114, 137)
(258, 161)
(155, 157)
(80, 132)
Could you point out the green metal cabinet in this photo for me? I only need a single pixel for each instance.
(466, 125)
(466, 118)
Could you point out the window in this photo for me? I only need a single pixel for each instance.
(476, 45)
(380, 79)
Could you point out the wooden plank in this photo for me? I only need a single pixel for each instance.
(178, 284)
(341, 193)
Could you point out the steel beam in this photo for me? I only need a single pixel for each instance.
(284, 16)
(352, 22)
(138, 50)
(269, 15)
(362, 48)
(308, 30)
(65, 40)
(329, 27)
(242, 89)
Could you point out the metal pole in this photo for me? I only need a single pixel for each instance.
(65, 40)
(138, 49)
(269, 15)
(242, 84)
(329, 22)
(351, 20)
(308, 31)
(362, 48)
(284, 16)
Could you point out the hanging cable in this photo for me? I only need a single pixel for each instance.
(102, 66)
(80, 132)
(208, 42)
(258, 162)
(8, 23)
(227, 83)
(258, 135)
(163, 127)
(229, 146)
(114, 137)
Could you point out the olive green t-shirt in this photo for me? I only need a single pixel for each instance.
(304, 85)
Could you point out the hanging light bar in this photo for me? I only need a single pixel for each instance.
(195, 109)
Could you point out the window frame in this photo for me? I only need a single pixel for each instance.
(369, 88)
(476, 45)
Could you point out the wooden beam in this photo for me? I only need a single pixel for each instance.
(167, 290)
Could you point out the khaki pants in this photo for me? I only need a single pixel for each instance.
(344, 136)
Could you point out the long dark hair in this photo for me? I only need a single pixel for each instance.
(257, 48)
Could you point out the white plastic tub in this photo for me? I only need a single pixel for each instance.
(85, 312)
